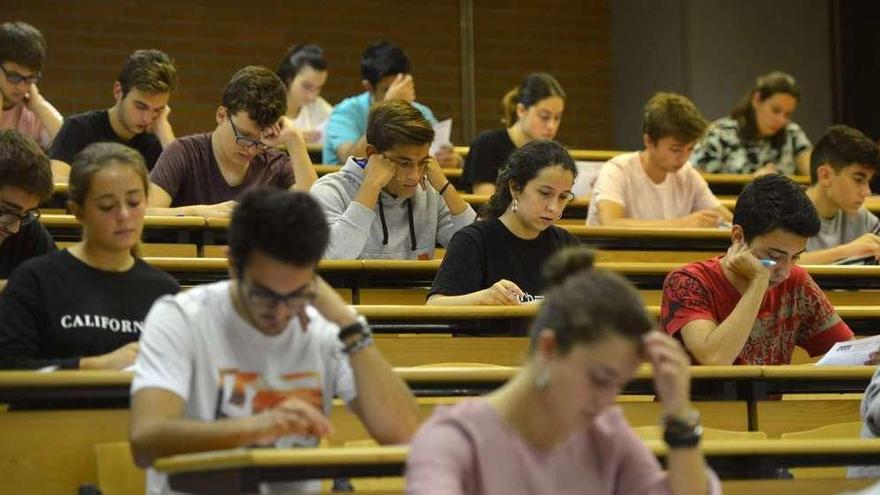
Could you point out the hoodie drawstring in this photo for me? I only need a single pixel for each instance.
(412, 226)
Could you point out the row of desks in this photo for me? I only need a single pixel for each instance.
(241, 470)
(24, 390)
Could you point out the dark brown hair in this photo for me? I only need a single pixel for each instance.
(259, 92)
(536, 87)
(22, 44)
(149, 71)
(24, 165)
(395, 122)
(765, 87)
(583, 305)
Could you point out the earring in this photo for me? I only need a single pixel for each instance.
(543, 379)
(513, 205)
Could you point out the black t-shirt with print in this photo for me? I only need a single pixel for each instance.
(56, 309)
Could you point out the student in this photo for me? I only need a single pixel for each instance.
(657, 187)
(842, 165)
(759, 136)
(304, 72)
(753, 305)
(25, 181)
(492, 261)
(380, 206)
(553, 427)
(532, 110)
(22, 107)
(385, 69)
(84, 307)
(138, 119)
(870, 414)
(258, 360)
(203, 174)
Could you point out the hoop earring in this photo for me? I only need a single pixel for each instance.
(513, 205)
(543, 379)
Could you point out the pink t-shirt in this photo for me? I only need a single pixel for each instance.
(623, 181)
(27, 123)
(469, 449)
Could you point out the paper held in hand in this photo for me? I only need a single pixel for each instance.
(442, 136)
(851, 352)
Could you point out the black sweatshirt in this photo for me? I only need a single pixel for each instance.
(56, 309)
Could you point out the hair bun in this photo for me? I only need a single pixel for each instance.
(566, 262)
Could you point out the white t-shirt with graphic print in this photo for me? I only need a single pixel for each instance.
(197, 346)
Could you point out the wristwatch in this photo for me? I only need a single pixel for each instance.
(682, 431)
(356, 337)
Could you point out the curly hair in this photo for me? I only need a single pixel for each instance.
(259, 92)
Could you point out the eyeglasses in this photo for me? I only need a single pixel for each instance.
(16, 78)
(244, 141)
(8, 217)
(422, 165)
(263, 298)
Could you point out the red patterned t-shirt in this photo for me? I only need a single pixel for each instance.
(795, 312)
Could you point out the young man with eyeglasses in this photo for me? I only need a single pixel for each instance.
(25, 181)
(394, 203)
(754, 305)
(138, 119)
(257, 360)
(22, 107)
(204, 174)
(658, 187)
(842, 165)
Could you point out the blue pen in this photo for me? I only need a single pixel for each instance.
(768, 263)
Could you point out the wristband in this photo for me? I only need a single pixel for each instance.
(364, 341)
(358, 327)
(443, 189)
(683, 432)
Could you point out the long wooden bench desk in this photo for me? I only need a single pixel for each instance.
(24, 390)
(241, 470)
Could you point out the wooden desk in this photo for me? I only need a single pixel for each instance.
(67, 228)
(242, 470)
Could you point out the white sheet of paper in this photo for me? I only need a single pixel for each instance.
(442, 135)
(851, 353)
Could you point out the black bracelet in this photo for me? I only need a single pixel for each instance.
(358, 327)
(443, 189)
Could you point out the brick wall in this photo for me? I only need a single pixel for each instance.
(209, 40)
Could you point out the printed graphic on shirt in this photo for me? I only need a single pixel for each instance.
(102, 322)
(243, 394)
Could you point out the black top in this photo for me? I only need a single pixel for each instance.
(485, 252)
(31, 240)
(81, 130)
(487, 155)
(56, 308)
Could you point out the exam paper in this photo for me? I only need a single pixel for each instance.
(442, 135)
(851, 352)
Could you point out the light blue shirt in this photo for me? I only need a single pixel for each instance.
(348, 122)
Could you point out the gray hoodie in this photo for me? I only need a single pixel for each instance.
(393, 229)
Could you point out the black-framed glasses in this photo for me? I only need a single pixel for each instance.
(244, 141)
(263, 298)
(16, 78)
(8, 217)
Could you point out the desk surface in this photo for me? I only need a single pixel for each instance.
(271, 463)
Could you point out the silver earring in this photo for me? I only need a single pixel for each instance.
(513, 205)
(543, 379)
